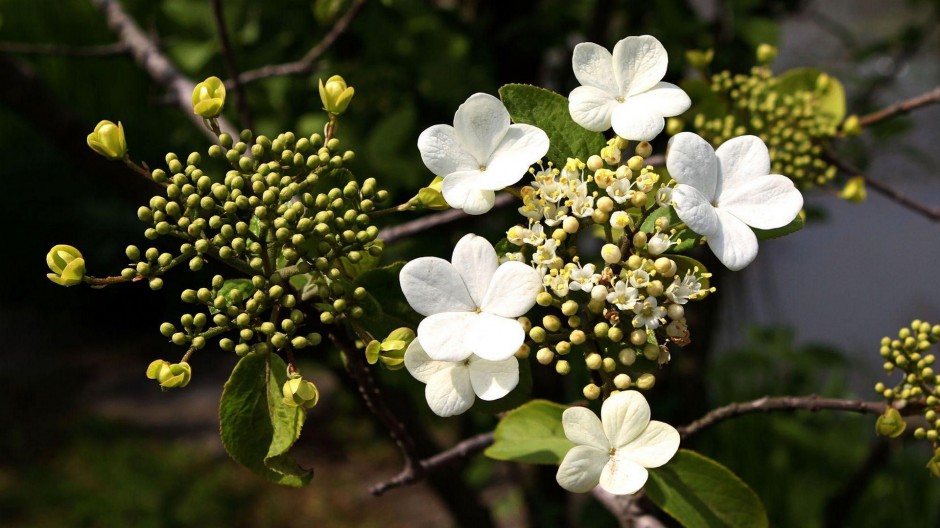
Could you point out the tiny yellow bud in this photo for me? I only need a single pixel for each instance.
(108, 140)
(66, 264)
(209, 98)
(335, 95)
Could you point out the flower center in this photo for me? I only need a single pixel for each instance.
(482, 168)
(620, 99)
(613, 451)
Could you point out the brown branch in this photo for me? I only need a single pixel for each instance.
(904, 107)
(626, 509)
(889, 192)
(463, 450)
(29, 48)
(154, 62)
(359, 372)
(306, 63)
(407, 229)
(226, 44)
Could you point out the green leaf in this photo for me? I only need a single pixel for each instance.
(792, 227)
(829, 98)
(532, 433)
(367, 262)
(684, 264)
(385, 305)
(547, 110)
(257, 427)
(515, 398)
(701, 493)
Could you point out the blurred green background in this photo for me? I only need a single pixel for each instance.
(86, 440)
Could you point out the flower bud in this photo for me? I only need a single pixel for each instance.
(571, 225)
(646, 381)
(335, 95)
(851, 126)
(431, 196)
(599, 293)
(170, 375)
(209, 98)
(611, 253)
(622, 381)
(700, 58)
(890, 424)
(300, 392)
(67, 265)
(592, 391)
(644, 149)
(595, 162)
(766, 53)
(108, 140)
(854, 190)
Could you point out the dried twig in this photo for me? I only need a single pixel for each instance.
(904, 107)
(29, 48)
(889, 192)
(463, 450)
(154, 62)
(306, 63)
(240, 101)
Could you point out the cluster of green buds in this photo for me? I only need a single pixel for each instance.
(621, 312)
(796, 114)
(919, 386)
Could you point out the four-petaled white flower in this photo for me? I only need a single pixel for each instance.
(624, 89)
(471, 303)
(648, 314)
(451, 385)
(614, 451)
(721, 193)
(481, 153)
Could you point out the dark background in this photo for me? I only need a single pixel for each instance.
(87, 440)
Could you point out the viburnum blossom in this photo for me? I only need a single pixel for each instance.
(481, 153)
(614, 451)
(452, 385)
(624, 89)
(471, 303)
(721, 194)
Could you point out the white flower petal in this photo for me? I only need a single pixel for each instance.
(593, 66)
(654, 447)
(695, 210)
(442, 153)
(691, 160)
(591, 107)
(432, 285)
(625, 415)
(740, 160)
(492, 380)
(580, 471)
(734, 243)
(639, 63)
(442, 335)
(476, 261)
(622, 476)
(493, 337)
(449, 392)
(480, 124)
(513, 290)
(421, 366)
(583, 427)
(461, 191)
(522, 146)
(636, 121)
(765, 202)
(665, 99)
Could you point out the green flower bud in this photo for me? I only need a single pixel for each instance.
(890, 424)
(700, 58)
(299, 392)
(209, 98)
(646, 381)
(854, 190)
(766, 54)
(67, 265)
(170, 375)
(431, 196)
(592, 391)
(335, 95)
(562, 367)
(108, 140)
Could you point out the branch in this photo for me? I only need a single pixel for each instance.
(155, 63)
(626, 509)
(463, 450)
(306, 63)
(357, 369)
(407, 229)
(904, 107)
(28, 48)
(240, 101)
(889, 192)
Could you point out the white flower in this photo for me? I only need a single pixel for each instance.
(481, 153)
(623, 296)
(721, 193)
(664, 196)
(451, 385)
(583, 279)
(557, 283)
(680, 290)
(615, 451)
(658, 244)
(472, 303)
(624, 89)
(621, 190)
(639, 278)
(648, 314)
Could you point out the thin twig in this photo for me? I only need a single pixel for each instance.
(904, 107)
(240, 101)
(306, 63)
(407, 229)
(880, 187)
(30, 48)
(154, 62)
(357, 369)
(626, 509)
(463, 450)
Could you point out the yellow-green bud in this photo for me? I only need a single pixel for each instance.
(592, 391)
(335, 95)
(644, 150)
(67, 265)
(431, 196)
(638, 337)
(551, 323)
(851, 126)
(854, 190)
(543, 299)
(700, 58)
(646, 381)
(609, 365)
(595, 162)
(611, 253)
(300, 392)
(209, 98)
(766, 54)
(562, 367)
(615, 334)
(537, 334)
(627, 356)
(544, 356)
(622, 381)
(170, 375)
(593, 361)
(108, 140)
(577, 337)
